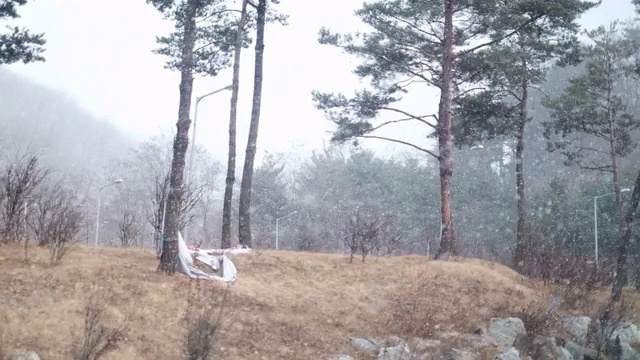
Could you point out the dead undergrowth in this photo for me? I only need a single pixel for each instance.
(98, 339)
(284, 305)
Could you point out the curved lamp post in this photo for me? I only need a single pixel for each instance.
(193, 139)
(116, 182)
(595, 222)
(278, 225)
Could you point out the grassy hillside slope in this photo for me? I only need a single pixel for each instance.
(285, 305)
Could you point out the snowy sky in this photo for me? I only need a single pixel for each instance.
(99, 52)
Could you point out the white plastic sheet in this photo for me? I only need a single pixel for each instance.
(186, 266)
(237, 250)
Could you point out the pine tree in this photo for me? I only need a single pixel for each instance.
(589, 122)
(201, 44)
(264, 15)
(498, 104)
(428, 42)
(233, 115)
(18, 45)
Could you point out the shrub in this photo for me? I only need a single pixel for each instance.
(98, 339)
(57, 220)
(538, 320)
(202, 319)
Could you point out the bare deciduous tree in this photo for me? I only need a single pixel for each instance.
(363, 235)
(192, 194)
(56, 220)
(147, 184)
(19, 181)
(202, 320)
(98, 340)
(129, 229)
(207, 213)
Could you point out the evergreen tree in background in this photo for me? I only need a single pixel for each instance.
(185, 57)
(244, 212)
(247, 19)
(230, 178)
(18, 45)
(424, 43)
(184, 14)
(215, 38)
(589, 122)
(498, 105)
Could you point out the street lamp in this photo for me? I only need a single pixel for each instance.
(278, 225)
(475, 147)
(116, 182)
(193, 137)
(595, 220)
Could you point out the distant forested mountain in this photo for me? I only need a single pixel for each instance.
(34, 118)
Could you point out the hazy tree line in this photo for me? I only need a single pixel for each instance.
(53, 150)
(489, 61)
(539, 122)
(333, 186)
(336, 185)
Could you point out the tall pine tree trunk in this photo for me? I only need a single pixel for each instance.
(519, 256)
(501, 164)
(244, 225)
(445, 139)
(233, 114)
(621, 273)
(169, 258)
(625, 241)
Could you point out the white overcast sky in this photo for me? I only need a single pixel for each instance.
(99, 52)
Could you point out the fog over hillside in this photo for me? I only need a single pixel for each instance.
(69, 139)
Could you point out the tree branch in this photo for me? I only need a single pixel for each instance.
(200, 48)
(465, 92)
(394, 122)
(417, 28)
(499, 39)
(419, 118)
(583, 148)
(380, 56)
(216, 13)
(606, 168)
(427, 151)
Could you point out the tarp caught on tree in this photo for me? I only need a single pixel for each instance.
(215, 259)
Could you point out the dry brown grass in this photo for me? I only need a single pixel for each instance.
(285, 305)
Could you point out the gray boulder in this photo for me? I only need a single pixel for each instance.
(400, 351)
(395, 349)
(628, 333)
(473, 341)
(620, 342)
(511, 354)
(341, 357)
(453, 354)
(577, 327)
(581, 353)
(364, 344)
(505, 331)
(22, 355)
(542, 348)
(423, 345)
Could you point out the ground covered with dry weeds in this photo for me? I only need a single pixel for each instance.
(284, 305)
